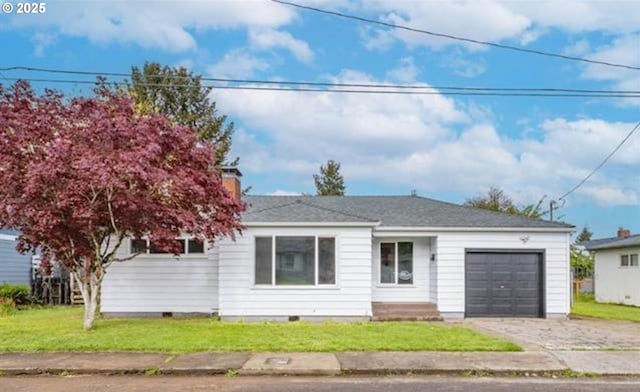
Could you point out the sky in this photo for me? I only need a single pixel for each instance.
(444, 147)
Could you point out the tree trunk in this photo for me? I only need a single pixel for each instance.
(89, 285)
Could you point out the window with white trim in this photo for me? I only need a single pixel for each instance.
(187, 246)
(396, 263)
(629, 260)
(295, 260)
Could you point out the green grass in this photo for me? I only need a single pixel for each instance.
(588, 307)
(59, 329)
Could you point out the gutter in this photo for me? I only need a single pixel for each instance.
(475, 229)
(311, 224)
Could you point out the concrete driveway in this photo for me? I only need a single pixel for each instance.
(541, 334)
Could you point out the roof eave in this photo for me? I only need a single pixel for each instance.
(311, 224)
(613, 247)
(475, 228)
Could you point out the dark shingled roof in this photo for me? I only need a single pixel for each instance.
(388, 210)
(613, 243)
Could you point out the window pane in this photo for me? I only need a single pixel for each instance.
(263, 260)
(138, 245)
(624, 260)
(196, 246)
(387, 263)
(295, 260)
(155, 250)
(633, 261)
(326, 260)
(405, 263)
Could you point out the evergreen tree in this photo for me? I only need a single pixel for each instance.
(585, 235)
(329, 182)
(179, 94)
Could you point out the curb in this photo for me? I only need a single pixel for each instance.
(562, 374)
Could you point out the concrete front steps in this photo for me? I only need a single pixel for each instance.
(405, 311)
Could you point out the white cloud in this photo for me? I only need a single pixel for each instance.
(430, 143)
(495, 20)
(238, 63)
(482, 20)
(461, 66)
(405, 72)
(613, 16)
(270, 39)
(166, 25)
(623, 50)
(41, 41)
(611, 195)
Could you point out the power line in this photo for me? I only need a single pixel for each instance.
(454, 37)
(611, 154)
(329, 84)
(348, 91)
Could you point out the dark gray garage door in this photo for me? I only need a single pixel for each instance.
(503, 284)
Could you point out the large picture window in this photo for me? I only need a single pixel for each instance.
(295, 260)
(396, 263)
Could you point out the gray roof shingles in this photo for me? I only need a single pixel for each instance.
(613, 243)
(408, 211)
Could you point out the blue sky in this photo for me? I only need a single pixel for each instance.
(444, 147)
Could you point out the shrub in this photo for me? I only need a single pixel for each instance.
(19, 294)
(7, 306)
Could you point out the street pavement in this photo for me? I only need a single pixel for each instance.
(95, 383)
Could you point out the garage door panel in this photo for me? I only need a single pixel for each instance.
(503, 284)
(502, 276)
(502, 294)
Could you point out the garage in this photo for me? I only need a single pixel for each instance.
(504, 284)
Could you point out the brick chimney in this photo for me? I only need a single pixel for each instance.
(623, 233)
(231, 181)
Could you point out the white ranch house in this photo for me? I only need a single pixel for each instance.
(354, 258)
(617, 268)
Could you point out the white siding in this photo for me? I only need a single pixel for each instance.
(162, 283)
(417, 292)
(14, 267)
(433, 273)
(351, 297)
(451, 264)
(614, 283)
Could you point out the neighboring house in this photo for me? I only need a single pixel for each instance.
(354, 258)
(617, 269)
(14, 267)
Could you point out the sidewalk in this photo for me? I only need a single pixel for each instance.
(595, 362)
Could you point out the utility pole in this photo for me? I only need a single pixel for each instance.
(552, 206)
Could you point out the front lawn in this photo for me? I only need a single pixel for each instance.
(587, 307)
(59, 329)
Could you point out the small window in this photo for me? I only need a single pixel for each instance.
(405, 263)
(624, 261)
(396, 263)
(326, 260)
(138, 245)
(263, 260)
(196, 246)
(387, 262)
(192, 246)
(633, 260)
(155, 250)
